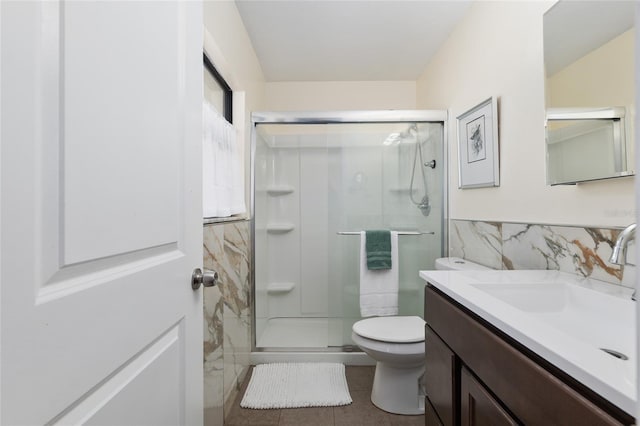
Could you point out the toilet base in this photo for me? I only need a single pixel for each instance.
(397, 390)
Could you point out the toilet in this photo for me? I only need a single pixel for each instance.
(396, 343)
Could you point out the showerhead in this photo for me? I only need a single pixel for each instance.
(396, 138)
(408, 133)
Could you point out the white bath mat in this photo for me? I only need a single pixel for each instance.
(294, 385)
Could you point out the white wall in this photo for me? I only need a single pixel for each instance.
(340, 95)
(497, 50)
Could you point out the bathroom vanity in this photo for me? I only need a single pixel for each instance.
(494, 357)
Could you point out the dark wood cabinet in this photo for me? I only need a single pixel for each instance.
(476, 375)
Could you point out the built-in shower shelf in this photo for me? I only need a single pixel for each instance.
(401, 190)
(279, 288)
(280, 228)
(277, 190)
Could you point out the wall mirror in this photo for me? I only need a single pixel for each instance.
(589, 90)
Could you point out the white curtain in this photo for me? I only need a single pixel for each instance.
(223, 185)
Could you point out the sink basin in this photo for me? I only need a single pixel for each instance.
(538, 297)
(597, 319)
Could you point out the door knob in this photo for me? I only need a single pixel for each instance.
(208, 278)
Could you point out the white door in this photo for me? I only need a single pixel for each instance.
(100, 212)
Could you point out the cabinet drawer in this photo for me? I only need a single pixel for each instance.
(440, 370)
(533, 394)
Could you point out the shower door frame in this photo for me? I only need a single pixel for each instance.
(341, 117)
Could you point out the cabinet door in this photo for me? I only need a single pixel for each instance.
(478, 407)
(440, 377)
(430, 416)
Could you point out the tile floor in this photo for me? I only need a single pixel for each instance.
(360, 412)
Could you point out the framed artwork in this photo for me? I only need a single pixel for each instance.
(478, 162)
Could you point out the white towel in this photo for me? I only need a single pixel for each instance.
(379, 288)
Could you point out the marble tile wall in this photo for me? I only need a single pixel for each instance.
(502, 245)
(227, 316)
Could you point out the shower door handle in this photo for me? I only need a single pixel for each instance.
(208, 278)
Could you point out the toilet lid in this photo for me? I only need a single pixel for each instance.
(391, 329)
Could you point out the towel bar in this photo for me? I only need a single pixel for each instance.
(399, 233)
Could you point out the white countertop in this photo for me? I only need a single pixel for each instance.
(562, 317)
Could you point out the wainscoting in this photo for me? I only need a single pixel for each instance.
(575, 249)
(227, 316)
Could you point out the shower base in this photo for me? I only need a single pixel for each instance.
(293, 333)
(306, 340)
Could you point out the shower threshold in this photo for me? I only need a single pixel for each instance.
(306, 340)
(346, 358)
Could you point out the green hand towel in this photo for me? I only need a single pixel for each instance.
(378, 249)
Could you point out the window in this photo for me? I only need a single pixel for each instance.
(222, 159)
(216, 90)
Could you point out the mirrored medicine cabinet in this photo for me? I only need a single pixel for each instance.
(589, 90)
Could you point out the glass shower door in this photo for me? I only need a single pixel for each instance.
(383, 183)
(315, 187)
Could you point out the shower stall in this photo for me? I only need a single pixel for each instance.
(318, 179)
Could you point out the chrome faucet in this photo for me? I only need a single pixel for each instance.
(619, 254)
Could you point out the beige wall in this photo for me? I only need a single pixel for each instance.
(497, 50)
(340, 95)
(230, 48)
(608, 72)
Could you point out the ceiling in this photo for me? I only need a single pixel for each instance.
(343, 40)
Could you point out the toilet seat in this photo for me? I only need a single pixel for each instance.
(396, 329)
(388, 349)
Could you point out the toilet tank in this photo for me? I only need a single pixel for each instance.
(457, 264)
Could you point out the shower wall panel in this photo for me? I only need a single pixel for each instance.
(314, 262)
(283, 234)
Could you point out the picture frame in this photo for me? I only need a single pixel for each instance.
(478, 148)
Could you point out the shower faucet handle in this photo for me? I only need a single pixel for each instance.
(431, 164)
